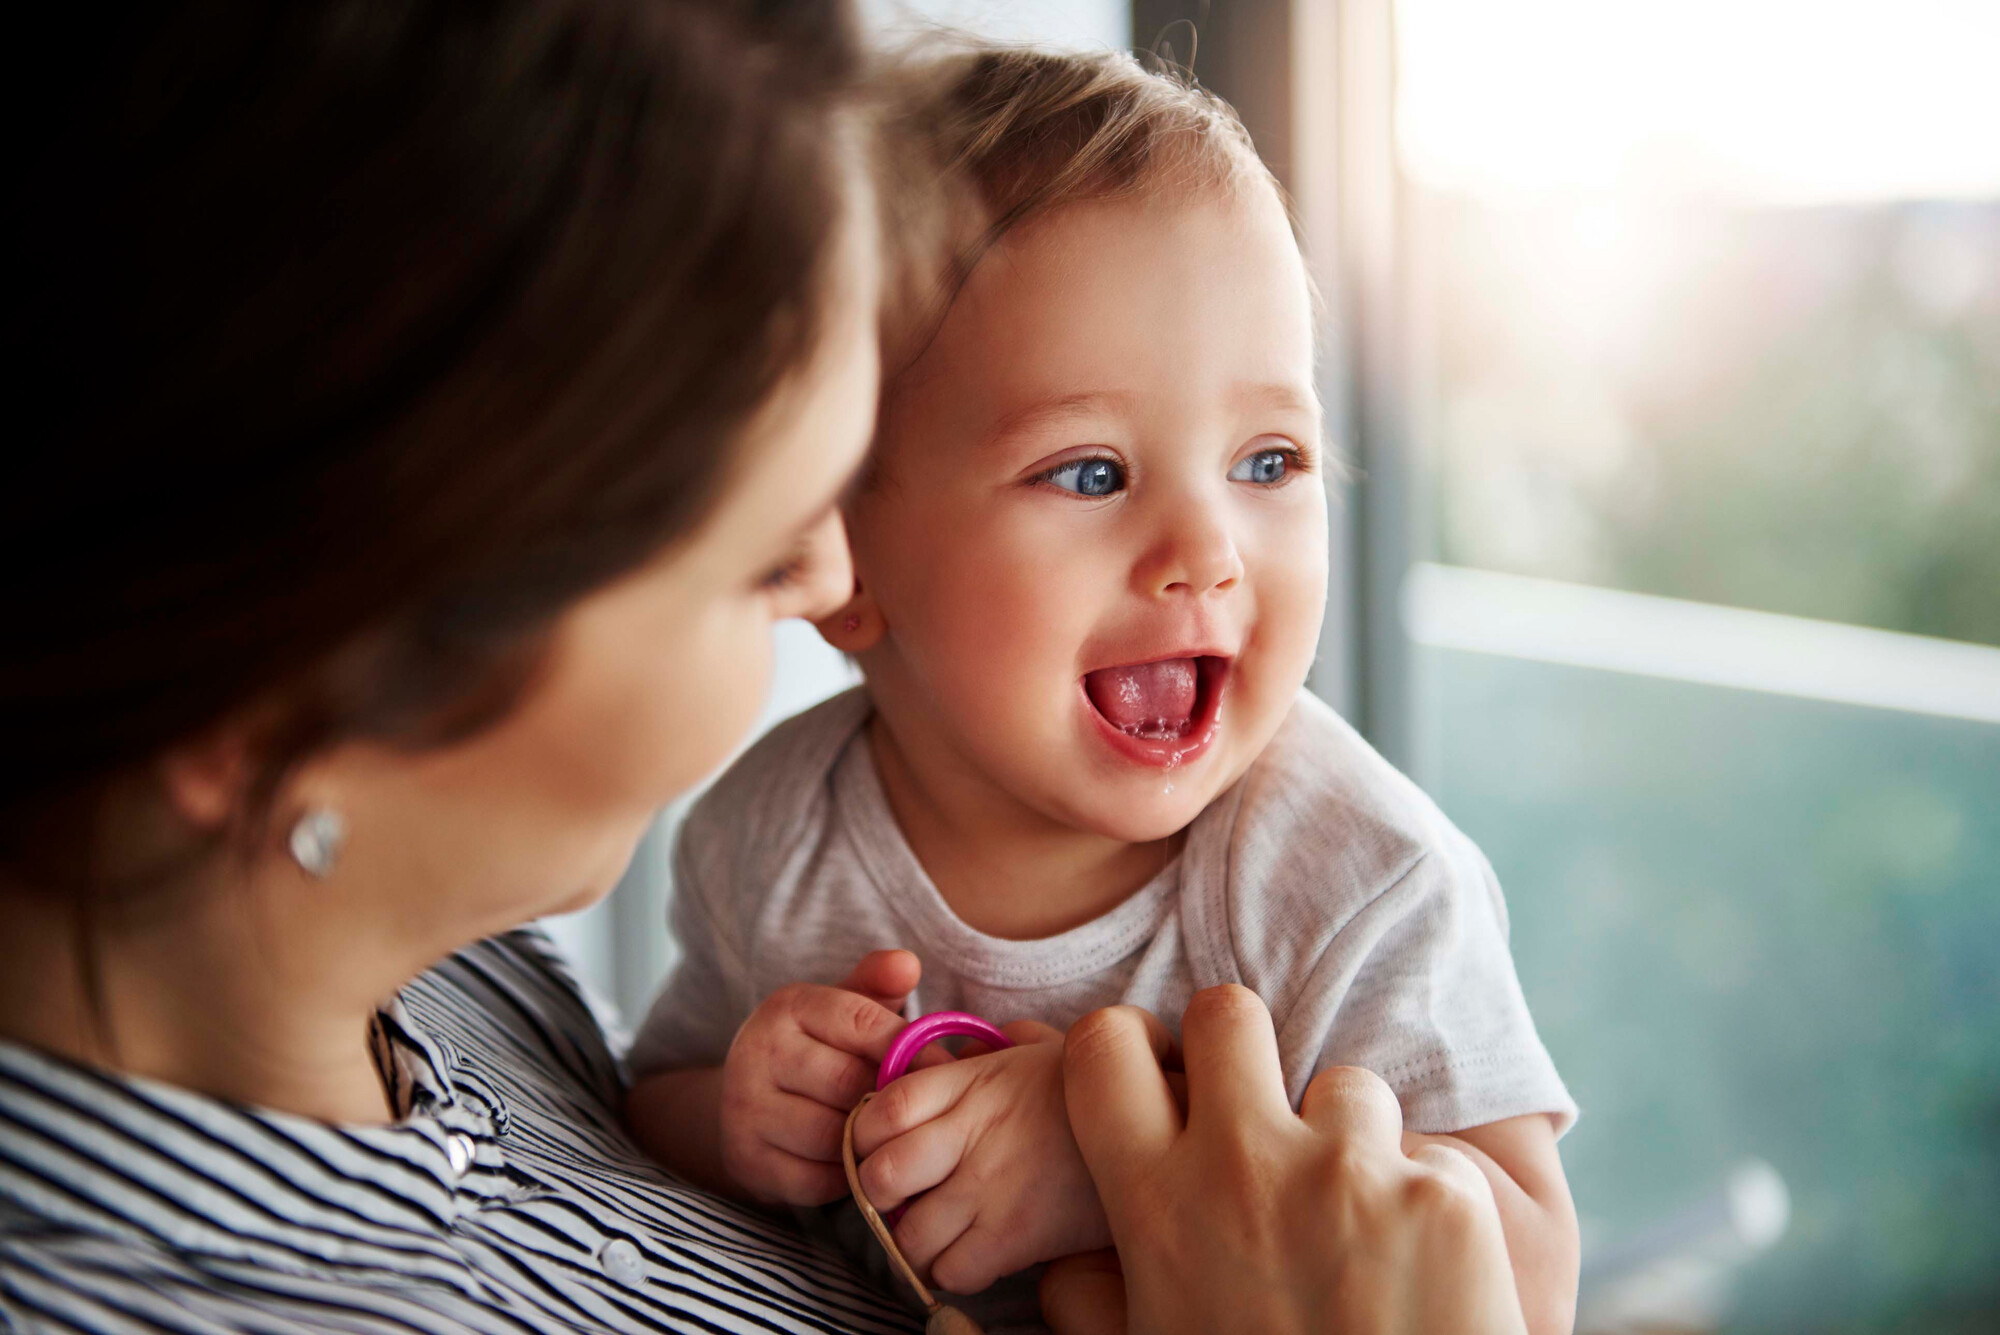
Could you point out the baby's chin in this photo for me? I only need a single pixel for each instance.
(1139, 810)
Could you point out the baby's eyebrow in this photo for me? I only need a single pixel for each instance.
(1055, 410)
(1277, 396)
(1059, 409)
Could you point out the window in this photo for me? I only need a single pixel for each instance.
(1697, 337)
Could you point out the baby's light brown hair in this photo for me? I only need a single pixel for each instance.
(999, 135)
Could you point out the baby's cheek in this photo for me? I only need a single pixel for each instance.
(1292, 579)
(1304, 608)
(1010, 610)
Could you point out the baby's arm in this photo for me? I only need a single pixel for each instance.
(1518, 1156)
(1418, 985)
(766, 1125)
(676, 1116)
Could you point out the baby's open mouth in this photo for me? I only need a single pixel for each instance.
(1160, 701)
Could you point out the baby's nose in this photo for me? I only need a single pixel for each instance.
(1196, 555)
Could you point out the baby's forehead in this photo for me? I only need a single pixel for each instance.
(1103, 308)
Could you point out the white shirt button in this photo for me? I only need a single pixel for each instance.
(621, 1260)
(459, 1149)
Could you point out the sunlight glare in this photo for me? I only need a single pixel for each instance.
(1728, 101)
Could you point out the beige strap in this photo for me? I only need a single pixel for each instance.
(942, 1320)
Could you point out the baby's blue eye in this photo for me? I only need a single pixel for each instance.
(1263, 467)
(1087, 477)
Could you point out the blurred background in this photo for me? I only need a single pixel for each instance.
(1665, 340)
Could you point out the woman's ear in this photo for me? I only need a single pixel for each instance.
(856, 626)
(204, 778)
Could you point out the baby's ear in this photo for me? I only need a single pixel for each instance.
(855, 626)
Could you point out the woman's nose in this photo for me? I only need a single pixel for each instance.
(826, 572)
(1194, 554)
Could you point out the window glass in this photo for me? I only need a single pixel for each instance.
(1701, 310)
(1711, 293)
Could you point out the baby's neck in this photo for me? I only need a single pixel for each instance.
(1004, 870)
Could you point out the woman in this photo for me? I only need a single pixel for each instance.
(440, 402)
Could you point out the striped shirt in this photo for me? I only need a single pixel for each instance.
(507, 1199)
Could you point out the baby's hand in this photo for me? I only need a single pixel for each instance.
(797, 1066)
(987, 1140)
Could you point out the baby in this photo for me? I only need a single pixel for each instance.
(1090, 563)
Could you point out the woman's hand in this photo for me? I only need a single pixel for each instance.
(1239, 1215)
(986, 1139)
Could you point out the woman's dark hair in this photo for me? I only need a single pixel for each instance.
(353, 340)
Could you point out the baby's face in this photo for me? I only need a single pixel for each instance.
(1098, 542)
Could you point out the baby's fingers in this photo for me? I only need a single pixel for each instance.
(885, 976)
(803, 1128)
(822, 1073)
(908, 1103)
(846, 1020)
(933, 1054)
(1031, 1031)
(912, 1163)
(788, 1179)
(934, 1227)
(971, 1261)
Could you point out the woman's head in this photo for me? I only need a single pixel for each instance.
(407, 378)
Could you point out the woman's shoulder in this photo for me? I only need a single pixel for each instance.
(511, 1008)
(507, 1199)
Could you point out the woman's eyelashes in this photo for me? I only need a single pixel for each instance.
(783, 577)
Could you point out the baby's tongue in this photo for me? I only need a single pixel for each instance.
(1145, 696)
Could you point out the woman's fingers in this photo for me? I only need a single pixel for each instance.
(1121, 1110)
(1230, 1051)
(912, 1163)
(1354, 1104)
(1084, 1294)
(1248, 1218)
(1456, 1167)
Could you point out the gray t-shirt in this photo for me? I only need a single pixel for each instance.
(1323, 880)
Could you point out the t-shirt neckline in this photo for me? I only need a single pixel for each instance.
(946, 940)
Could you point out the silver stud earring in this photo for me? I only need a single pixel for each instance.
(316, 839)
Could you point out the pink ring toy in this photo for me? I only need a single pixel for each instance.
(920, 1033)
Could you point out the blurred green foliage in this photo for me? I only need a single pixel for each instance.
(1790, 410)
(1848, 469)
